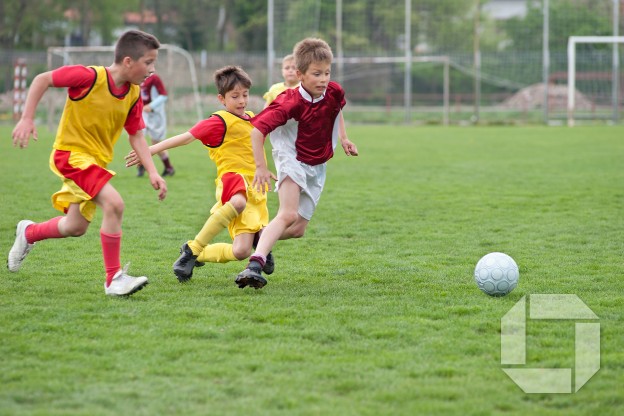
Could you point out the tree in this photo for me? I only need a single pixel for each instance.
(567, 18)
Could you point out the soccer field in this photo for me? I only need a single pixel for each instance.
(374, 312)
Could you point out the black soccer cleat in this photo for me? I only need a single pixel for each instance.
(251, 276)
(269, 265)
(168, 172)
(183, 266)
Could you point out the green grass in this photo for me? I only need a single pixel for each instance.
(374, 312)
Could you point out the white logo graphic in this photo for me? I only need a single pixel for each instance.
(586, 346)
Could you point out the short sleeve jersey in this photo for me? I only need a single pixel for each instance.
(228, 139)
(149, 86)
(95, 111)
(314, 132)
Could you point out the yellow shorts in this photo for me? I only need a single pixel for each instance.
(254, 217)
(83, 178)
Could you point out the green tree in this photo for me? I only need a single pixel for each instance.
(30, 24)
(566, 18)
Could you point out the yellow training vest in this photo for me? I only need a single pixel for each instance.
(93, 123)
(235, 153)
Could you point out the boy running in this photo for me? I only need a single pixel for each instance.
(101, 102)
(154, 96)
(312, 122)
(239, 207)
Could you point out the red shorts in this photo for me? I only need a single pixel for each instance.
(83, 178)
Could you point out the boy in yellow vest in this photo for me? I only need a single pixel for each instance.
(239, 207)
(101, 102)
(289, 73)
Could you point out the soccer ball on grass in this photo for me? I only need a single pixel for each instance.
(496, 274)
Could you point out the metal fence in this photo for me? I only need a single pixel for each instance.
(421, 61)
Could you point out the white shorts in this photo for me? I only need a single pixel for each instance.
(155, 124)
(311, 179)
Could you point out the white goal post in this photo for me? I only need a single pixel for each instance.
(572, 42)
(175, 65)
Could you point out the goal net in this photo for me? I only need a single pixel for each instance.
(175, 66)
(593, 78)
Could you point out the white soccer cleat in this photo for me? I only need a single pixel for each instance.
(20, 247)
(124, 284)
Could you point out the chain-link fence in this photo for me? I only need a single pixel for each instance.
(436, 61)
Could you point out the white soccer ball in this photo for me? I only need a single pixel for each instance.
(496, 274)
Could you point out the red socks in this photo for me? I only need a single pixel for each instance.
(258, 258)
(43, 230)
(111, 250)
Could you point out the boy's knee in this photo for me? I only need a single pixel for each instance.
(239, 204)
(289, 218)
(241, 253)
(75, 230)
(115, 207)
(239, 201)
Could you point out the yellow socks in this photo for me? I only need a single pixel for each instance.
(217, 253)
(213, 226)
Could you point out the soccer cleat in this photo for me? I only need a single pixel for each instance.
(168, 172)
(183, 266)
(140, 171)
(269, 265)
(20, 248)
(251, 276)
(123, 284)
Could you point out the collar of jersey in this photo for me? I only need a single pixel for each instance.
(306, 95)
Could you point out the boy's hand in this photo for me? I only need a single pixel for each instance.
(349, 147)
(132, 159)
(22, 131)
(262, 179)
(160, 185)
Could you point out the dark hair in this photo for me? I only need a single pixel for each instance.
(134, 43)
(311, 50)
(228, 77)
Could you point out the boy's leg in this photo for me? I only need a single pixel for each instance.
(164, 157)
(269, 265)
(28, 233)
(219, 220)
(118, 282)
(287, 214)
(240, 249)
(216, 253)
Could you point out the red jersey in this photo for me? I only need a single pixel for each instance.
(153, 81)
(314, 118)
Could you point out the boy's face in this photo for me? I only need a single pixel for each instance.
(316, 78)
(139, 70)
(289, 73)
(235, 100)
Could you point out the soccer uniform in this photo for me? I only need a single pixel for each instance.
(304, 134)
(84, 142)
(227, 137)
(153, 92)
(274, 91)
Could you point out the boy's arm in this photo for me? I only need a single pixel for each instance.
(156, 102)
(348, 146)
(26, 125)
(180, 140)
(262, 177)
(137, 141)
